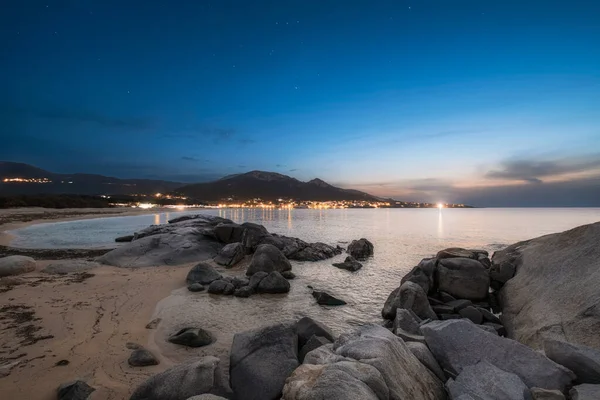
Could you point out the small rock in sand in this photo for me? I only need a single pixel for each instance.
(77, 390)
(142, 358)
(192, 337)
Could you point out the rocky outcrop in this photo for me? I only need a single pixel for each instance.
(349, 264)
(464, 278)
(457, 344)
(16, 265)
(202, 273)
(268, 258)
(77, 390)
(363, 364)
(261, 360)
(554, 293)
(184, 381)
(582, 360)
(485, 381)
(230, 254)
(361, 249)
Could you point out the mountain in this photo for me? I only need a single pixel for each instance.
(269, 186)
(33, 180)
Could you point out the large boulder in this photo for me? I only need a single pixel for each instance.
(423, 274)
(315, 252)
(421, 351)
(409, 296)
(554, 294)
(231, 254)
(459, 343)
(16, 265)
(261, 360)
(202, 273)
(582, 360)
(464, 278)
(253, 235)
(184, 381)
(268, 258)
(361, 249)
(408, 321)
(487, 382)
(229, 232)
(273, 283)
(369, 363)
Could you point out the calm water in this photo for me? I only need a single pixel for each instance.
(401, 238)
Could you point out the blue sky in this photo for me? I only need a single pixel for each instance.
(489, 102)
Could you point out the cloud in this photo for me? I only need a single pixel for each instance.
(192, 159)
(241, 166)
(292, 170)
(532, 171)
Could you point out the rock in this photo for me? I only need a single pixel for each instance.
(464, 278)
(582, 360)
(360, 249)
(16, 265)
(268, 258)
(69, 267)
(62, 363)
(554, 294)
(459, 304)
(184, 381)
(229, 232)
(273, 283)
(350, 264)
(487, 382)
(202, 273)
(313, 343)
(315, 252)
(132, 346)
(421, 351)
(499, 328)
(472, 313)
(221, 287)
(487, 328)
(153, 324)
(195, 287)
(544, 394)
(412, 297)
(457, 344)
(77, 390)
(255, 279)
(142, 358)
(288, 275)
(230, 254)
(207, 397)
(171, 244)
(325, 299)
(124, 239)
(500, 273)
(445, 297)
(240, 282)
(307, 327)
(488, 316)
(443, 309)
(408, 321)
(261, 360)
(457, 252)
(368, 363)
(423, 274)
(244, 291)
(585, 392)
(192, 337)
(253, 235)
(409, 337)
(434, 302)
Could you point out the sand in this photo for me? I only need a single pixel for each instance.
(86, 320)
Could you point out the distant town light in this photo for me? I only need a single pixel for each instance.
(440, 205)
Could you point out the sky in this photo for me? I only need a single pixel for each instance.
(490, 103)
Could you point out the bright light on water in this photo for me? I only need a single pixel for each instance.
(440, 205)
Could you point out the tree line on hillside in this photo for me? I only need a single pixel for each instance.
(54, 201)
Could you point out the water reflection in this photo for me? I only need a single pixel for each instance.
(440, 229)
(156, 219)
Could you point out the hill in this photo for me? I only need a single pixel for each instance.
(25, 179)
(269, 186)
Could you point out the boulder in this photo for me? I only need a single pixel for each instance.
(409, 337)
(244, 291)
(423, 274)
(498, 327)
(195, 287)
(171, 244)
(545, 394)
(458, 252)
(184, 381)
(411, 297)
(585, 392)
(408, 321)
(273, 283)
(261, 360)
(487, 382)
(192, 337)
(124, 239)
(313, 343)
(268, 258)
(314, 252)
(349, 264)
(464, 278)
(457, 344)
(253, 235)
(230, 254)
(421, 351)
(488, 328)
(229, 232)
(16, 265)
(288, 275)
(207, 397)
(69, 267)
(325, 299)
(361, 249)
(221, 287)
(202, 273)
(459, 304)
(582, 360)
(77, 390)
(472, 313)
(255, 279)
(368, 363)
(445, 297)
(142, 358)
(307, 327)
(554, 294)
(488, 316)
